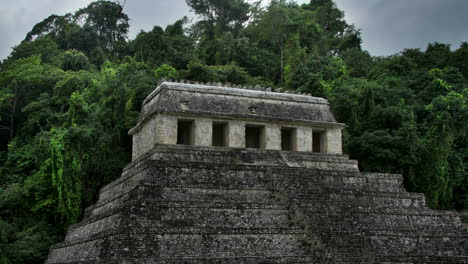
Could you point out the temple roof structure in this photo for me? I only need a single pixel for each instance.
(217, 100)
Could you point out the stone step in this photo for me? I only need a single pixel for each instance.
(200, 218)
(376, 175)
(192, 207)
(227, 218)
(341, 186)
(100, 230)
(370, 198)
(359, 182)
(130, 178)
(287, 259)
(194, 194)
(117, 202)
(422, 244)
(191, 194)
(397, 223)
(157, 205)
(424, 259)
(379, 200)
(178, 246)
(88, 228)
(244, 176)
(230, 245)
(244, 198)
(375, 202)
(173, 171)
(254, 157)
(417, 222)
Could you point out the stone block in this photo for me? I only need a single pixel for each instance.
(304, 139)
(203, 132)
(333, 141)
(236, 134)
(166, 129)
(272, 137)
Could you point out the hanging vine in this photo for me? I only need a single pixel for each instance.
(65, 168)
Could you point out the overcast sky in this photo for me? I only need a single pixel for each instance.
(388, 26)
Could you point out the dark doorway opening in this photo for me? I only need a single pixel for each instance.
(253, 136)
(185, 132)
(288, 136)
(219, 135)
(317, 142)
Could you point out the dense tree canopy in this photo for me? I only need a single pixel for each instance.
(72, 89)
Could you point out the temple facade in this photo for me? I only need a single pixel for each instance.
(201, 115)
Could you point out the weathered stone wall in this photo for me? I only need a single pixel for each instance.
(182, 204)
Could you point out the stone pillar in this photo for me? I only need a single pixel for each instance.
(304, 139)
(272, 137)
(236, 134)
(165, 129)
(135, 146)
(333, 141)
(143, 139)
(203, 132)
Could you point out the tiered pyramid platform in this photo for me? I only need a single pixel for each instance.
(182, 204)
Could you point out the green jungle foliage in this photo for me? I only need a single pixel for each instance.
(70, 91)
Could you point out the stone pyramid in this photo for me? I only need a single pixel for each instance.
(182, 200)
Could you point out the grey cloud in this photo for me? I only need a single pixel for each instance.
(145, 14)
(389, 26)
(18, 17)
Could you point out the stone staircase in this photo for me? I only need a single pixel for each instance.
(216, 205)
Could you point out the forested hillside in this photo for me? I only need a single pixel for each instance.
(71, 90)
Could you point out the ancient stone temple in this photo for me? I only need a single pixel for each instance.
(232, 175)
